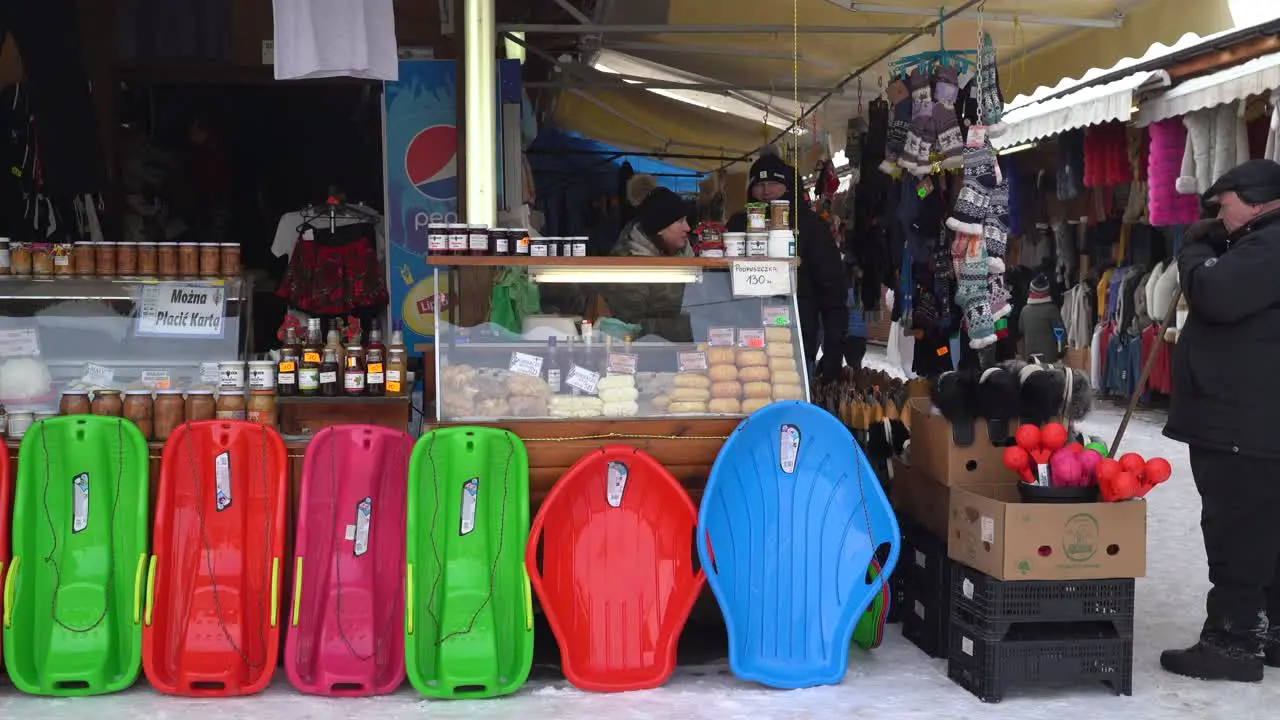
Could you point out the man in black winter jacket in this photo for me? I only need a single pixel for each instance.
(1226, 407)
(821, 283)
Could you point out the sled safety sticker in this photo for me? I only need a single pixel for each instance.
(79, 503)
(470, 489)
(616, 483)
(364, 512)
(789, 447)
(222, 481)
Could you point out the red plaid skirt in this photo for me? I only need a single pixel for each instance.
(336, 273)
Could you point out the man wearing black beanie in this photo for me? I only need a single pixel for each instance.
(822, 287)
(1226, 406)
(660, 228)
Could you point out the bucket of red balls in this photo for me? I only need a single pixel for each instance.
(1056, 471)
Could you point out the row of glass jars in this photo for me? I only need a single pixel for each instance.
(158, 413)
(120, 259)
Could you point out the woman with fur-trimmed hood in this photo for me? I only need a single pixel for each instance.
(661, 228)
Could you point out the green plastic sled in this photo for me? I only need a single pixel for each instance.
(468, 605)
(73, 591)
(869, 632)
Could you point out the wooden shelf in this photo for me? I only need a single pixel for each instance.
(341, 400)
(599, 261)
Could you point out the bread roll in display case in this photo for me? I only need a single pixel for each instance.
(664, 354)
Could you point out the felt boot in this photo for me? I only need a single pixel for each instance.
(1224, 652)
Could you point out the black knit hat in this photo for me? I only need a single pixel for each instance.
(771, 168)
(660, 208)
(1256, 182)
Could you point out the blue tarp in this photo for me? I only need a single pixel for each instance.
(578, 193)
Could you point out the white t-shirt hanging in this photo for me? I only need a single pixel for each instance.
(286, 236)
(335, 38)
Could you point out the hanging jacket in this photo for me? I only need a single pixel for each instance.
(1165, 205)
(1273, 131)
(1216, 143)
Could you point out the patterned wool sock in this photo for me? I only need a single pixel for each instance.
(973, 203)
(973, 295)
(898, 127)
(1000, 297)
(990, 99)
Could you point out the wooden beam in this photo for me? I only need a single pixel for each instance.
(1220, 59)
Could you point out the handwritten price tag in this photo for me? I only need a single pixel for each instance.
(761, 278)
(525, 364)
(690, 361)
(98, 375)
(751, 338)
(583, 379)
(775, 316)
(622, 364)
(720, 337)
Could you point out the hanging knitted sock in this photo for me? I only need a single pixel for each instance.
(1000, 297)
(973, 295)
(942, 278)
(995, 229)
(915, 156)
(950, 141)
(991, 100)
(974, 200)
(900, 99)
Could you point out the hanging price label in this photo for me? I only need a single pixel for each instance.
(751, 338)
(720, 337)
(525, 364)
(158, 379)
(583, 379)
(97, 375)
(775, 316)
(692, 361)
(761, 278)
(622, 364)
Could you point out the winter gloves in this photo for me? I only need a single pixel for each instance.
(950, 140)
(974, 201)
(900, 100)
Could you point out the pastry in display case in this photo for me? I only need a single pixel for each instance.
(576, 360)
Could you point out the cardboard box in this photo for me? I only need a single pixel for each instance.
(934, 452)
(921, 499)
(994, 533)
(1077, 358)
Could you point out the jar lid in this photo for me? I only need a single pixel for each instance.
(262, 363)
(125, 242)
(476, 226)
(262, 393)
(169, 391)
(207, 244)
(21, 411)
(139, 391)
(108, 391)
(147, 242)
(229, 244)
(200, 391)
(779, 202)
(231, 362)
(168, 244)
(75, 391)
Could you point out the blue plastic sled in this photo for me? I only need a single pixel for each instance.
(790, 521)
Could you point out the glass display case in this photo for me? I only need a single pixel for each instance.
(101, 333)
(620, 338)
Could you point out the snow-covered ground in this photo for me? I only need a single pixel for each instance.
(895, 681)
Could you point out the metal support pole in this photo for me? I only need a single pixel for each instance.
(685, 49)
(532, 28)
(480, 93)
(872, 9)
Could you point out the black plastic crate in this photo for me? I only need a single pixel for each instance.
(1039, 654)
(993, 606)
(923, 560)
(926, 617)
(895, 598)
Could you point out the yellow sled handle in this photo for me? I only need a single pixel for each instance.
(528, 601)
(138, 587)
(408, 600)
(151, 590)
(275, 589)
(10, 587)
(297, 590)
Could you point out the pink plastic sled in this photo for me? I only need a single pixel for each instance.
(346, 626)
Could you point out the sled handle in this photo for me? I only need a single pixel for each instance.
(297, 590)
(408, 599)
(138, 587)
(275, 589)
(528, 603)
(151, 590)
(10, 583)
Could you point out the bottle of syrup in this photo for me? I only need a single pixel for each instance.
(309, 366)
(287, 366)
(334, 342)
(397, 365)
(353, 373)
(329, 372)
(375, 382)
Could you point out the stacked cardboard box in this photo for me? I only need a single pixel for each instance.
(965, 498)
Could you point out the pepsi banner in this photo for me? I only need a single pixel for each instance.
(420, 148)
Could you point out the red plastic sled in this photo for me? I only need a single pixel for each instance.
(617, 579)
(210, 626)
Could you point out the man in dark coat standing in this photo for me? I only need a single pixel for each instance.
(821, 285)
(1226, 407)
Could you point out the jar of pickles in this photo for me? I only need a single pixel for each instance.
(148, 260)
(108, 403)
(19, 257)
(170, 412)
(230, 253)
(167, 259)
(42, 259)
(105, 259)
(139, 410)
(261, 407)
(188, 260)
(127, 258)
(64, 262)
(210, 260)
(84, 258)
(74, 402)
(200, 405)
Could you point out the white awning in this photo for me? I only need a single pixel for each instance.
(1089, 106)
(1255, 77)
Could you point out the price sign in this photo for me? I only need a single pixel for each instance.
(622, 364)
(775, 316)
(583, 379)
(761, 278)
(97, 375)
(19, 343)
(751, 338)
(158, 379)
(181, 310)
(209, 373)
(720, 337)
(525, 364)
(691, 361)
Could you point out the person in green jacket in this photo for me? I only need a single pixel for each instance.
(1037, 323)
(661, 228)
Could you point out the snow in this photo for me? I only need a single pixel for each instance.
(895, 681)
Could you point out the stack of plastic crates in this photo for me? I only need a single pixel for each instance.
(1012, 633)
(924, 578)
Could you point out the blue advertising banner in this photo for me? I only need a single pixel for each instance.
(421, 143)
